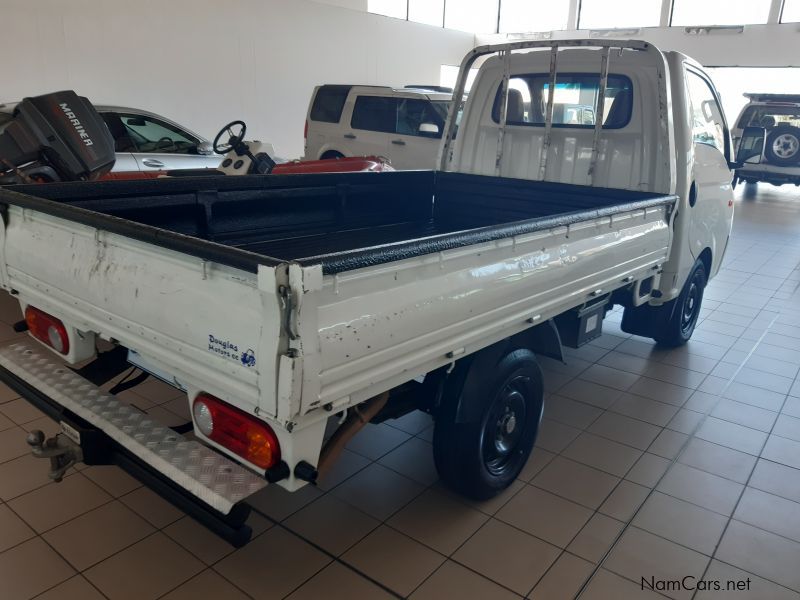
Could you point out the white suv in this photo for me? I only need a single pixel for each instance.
(779, 116)
(404, 125)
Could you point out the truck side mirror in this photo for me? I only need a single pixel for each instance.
(428, 129)
(751, 147)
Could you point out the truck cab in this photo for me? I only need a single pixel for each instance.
(659, 133)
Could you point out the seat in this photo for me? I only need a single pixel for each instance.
(620, 111)
(768, 122)
(516, 107)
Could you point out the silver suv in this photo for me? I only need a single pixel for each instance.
(778, 115)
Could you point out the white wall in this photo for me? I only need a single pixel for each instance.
(204, 62)
(352, 4)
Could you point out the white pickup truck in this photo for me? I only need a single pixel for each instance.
(279, 303)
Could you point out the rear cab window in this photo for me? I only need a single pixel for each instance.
(329, 103)
(575, 100)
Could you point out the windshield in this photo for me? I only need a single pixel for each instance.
(770, 116)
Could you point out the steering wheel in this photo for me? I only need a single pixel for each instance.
(234, 139)
(170, 143)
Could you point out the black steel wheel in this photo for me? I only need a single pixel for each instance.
(479, 449)
(680, 315)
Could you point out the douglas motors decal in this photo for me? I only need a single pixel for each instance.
(229, 350)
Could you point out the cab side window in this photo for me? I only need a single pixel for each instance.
(374, 113)
(708, 125)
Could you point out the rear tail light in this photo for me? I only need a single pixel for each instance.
(234, 429)
(46, 328)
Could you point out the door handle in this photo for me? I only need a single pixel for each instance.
(152, 162)
(398, 142)
(350, 136)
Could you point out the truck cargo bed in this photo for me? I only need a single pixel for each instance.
(343, 221)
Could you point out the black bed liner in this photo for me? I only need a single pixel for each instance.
(342, 221)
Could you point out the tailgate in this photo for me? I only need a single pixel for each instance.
(210, 326)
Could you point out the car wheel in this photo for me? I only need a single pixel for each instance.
(331, 154)
(783, 146)
(483, 456)
(680, 315)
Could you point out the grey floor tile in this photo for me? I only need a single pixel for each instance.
(760, 552)
(741, 585)
(701, 488)
(718, 460)
(575, 481)
(782, 450)
(744, 414)
(645, 409)
(732, 435)
(547, 516)
(777, 479)
(769, 512)
(641, 554)
(681, 522)
(788, 427)
(625, 430)
(600, 453)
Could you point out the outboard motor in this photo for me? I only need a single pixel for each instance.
(55, 137)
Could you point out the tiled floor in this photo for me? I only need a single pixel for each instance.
(651, 463)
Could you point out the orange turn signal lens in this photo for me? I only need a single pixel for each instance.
(234, 429)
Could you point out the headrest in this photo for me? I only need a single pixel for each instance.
(620, 110)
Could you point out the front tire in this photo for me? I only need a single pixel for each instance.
(482, 456)
(680, 315)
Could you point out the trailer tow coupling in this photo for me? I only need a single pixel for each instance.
(62, 452)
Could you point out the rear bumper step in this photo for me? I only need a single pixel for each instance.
(184, 471)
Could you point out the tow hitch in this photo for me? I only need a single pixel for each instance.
(60, 449)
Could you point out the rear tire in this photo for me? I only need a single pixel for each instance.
(680, 315)
(783, 146)
(483, 456)
(331, 154)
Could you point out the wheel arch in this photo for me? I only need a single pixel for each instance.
(706, 257)
(470, 370)
(331, 153)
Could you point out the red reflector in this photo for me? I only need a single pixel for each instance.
(239, 432)
(47, 329)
